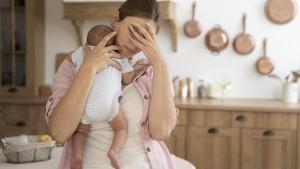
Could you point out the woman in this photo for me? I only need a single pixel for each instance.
(147, 103)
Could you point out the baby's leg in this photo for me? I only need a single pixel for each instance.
(78, 140)
(119, 126)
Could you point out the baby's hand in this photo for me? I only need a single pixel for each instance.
(127, 78)
(140, 65)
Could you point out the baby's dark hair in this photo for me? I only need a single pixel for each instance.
(97, 33)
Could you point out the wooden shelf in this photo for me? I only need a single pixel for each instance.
(78, 12)
(18, 8)
(17, 52)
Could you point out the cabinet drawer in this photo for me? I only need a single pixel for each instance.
(209, 118)
(14, 131)
(21, 116)
(265, 120)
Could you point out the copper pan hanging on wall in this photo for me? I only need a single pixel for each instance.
(244, 43)
(216, 39)
(281, 11)
(264, 64)
(192, 28)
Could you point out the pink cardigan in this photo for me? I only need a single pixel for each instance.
(156, 151)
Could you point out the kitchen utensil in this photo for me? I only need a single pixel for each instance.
(296, 76)
(290, 92)
(192, 28)
(281, 11)
(264, 65)
(189, 87)
(180, 87)
(244, 43)
(216, 39)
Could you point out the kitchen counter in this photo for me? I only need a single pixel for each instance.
(49, 164)
(253, 105)
(24, 100)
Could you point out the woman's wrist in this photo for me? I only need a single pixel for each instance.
(159, 62)
(88, 67)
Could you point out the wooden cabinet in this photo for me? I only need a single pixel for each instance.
(176, 143)
(22, 117)
(268, 149)
(238, 134)
(21, 46)
(213, 147)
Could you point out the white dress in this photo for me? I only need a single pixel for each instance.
(133, 155)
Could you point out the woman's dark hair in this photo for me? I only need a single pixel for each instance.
(148, 9)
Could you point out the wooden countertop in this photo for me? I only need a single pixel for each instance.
(23, 99)
(238, 104)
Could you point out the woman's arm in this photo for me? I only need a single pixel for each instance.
(162, 116)
(67, 114)
(162, 111)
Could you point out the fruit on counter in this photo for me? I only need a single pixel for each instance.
(44, 138)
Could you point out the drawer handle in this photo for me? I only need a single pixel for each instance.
(269, 133)
(241, 118)
(213, 131)
(13, 90)
(20, 124)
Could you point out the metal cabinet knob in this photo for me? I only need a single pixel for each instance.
(21, 124)
(241, 118)
(268, 133)
(213, 131)
(13, 90)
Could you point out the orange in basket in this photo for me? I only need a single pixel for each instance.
(45, 138)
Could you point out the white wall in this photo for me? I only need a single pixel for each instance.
(193, 58)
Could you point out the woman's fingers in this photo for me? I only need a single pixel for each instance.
(83, 128)
(111, 48)
(114, 55)
(137, 35)
(116, 64)
(135, 41)
(150, 30)
(106, 38)
(142, 31)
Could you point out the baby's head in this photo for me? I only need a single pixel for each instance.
(97, 33)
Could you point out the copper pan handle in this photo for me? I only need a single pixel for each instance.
(244, 22)
(194, 10)
(265, 47)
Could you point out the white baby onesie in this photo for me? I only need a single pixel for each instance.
(102, 103)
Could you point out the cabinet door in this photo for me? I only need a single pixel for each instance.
(22, 119)
(176, 143)
(213, 148)
(268, 149)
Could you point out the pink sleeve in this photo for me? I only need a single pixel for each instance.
(61, 83)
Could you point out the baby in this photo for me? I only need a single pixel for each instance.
(103, 101)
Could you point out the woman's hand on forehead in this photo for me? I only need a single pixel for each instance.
(144, 38)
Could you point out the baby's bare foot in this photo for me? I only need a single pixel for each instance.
(76, 162)
(114, 158)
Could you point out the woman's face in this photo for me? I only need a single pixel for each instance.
(122, 29)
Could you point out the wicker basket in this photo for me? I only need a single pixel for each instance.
(26, 148)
